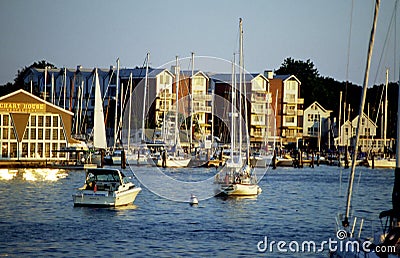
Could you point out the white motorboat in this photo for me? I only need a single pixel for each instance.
(106, 188)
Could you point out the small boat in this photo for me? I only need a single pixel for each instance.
(382, 163)
(237, 178)
(171, 161)
(239, 181)
(106, 188)
(113, 158)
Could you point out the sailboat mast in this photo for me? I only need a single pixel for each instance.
(116, 105)
(363, 96)
(130, 110)
(244, 97)
(233, 108)
(45, 82)
(145, 96)
(191, 105)
(240, 86)
(396, 186)
(65, 85)
(340, 114)
(385, 112)
(176, 101)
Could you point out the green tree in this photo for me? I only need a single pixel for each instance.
(306, 73)
(19, 79)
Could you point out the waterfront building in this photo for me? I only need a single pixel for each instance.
(259, 108)
(285, 89)
(316, 126)
(33, 129)
(368, 141)
(197, 88)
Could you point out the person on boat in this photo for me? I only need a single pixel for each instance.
(164, 158)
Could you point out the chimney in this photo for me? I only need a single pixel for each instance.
(269, 74)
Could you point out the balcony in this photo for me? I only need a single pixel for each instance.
(257, 134)
(256, 98)
(259, 110)
(167, 95)
(201, 109)
(204, 97)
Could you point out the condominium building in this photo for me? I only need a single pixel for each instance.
(285, 90)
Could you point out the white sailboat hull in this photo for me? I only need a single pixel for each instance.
(238, 189)
(383, 163)
(174, 162)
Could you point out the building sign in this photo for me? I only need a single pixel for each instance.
(22, 107)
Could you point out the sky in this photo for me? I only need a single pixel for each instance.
(95, 33)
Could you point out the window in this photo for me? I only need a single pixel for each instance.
(33, 133)
(48, 121)
(54, 148)
(55, 134)
(40, 134)
(4, 150)
(40, 149)
(5, 133)
(62, 136)
(33, 120)
(289, 119)
(47, 150)
(47, 135)
(24, 149)
(40, 121)
(198, 81)
(290, 98)
(55, 121)
(32, 150)
(13, 150)
(5, 120)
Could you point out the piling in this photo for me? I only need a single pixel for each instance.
(123, 159)
(373, 160)
(312, 159)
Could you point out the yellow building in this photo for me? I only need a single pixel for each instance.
(32, 129)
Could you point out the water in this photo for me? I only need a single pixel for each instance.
(37, 218)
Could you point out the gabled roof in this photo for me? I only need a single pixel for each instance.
(36, 98)
(188, 73)
(355, 120)
(319, 106)
(286, 77)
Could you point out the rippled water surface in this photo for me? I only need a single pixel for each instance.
(37, 216)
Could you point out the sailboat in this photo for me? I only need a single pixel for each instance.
(387, 244)
(385, 162)
(138, 154)
(236, 178)
(175, 158)
(99, 129)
